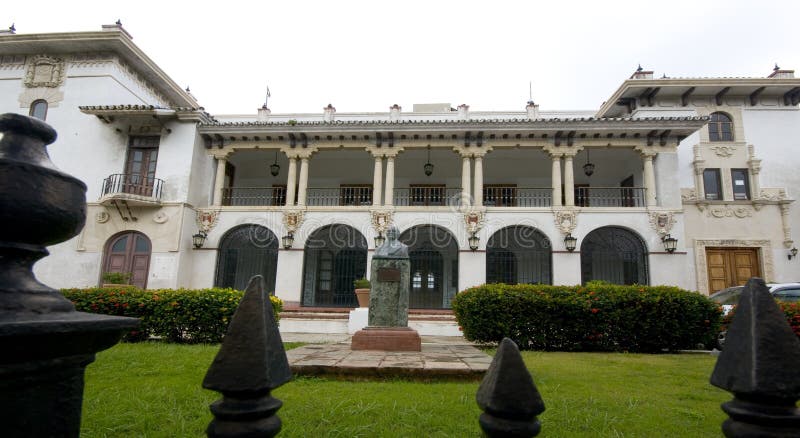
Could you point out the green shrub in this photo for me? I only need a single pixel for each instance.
(791, 310)
(361, 283)
(596, 317)
(176, 315)
(116, 277)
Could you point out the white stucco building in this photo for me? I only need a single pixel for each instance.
(526, 196)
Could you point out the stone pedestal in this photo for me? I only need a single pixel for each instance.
(359, 318)
(387, 339)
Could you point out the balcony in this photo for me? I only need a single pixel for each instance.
(134, 189)
(610, 196)
(513, 196)
(254, 196)
(427, 196)
(356, 196)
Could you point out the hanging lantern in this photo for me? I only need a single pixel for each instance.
(670, 243)
(570, 242)
(275, 168)
(199, 239)
(588, 168)
(428, 166)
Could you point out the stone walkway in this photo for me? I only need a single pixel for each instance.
(438, 359)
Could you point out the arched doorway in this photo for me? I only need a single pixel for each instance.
(433, 253)
(615, 255)
(519, 254)
(335, 256)
(245, 251)
(128, 252)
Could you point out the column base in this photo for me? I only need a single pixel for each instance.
(387, 339)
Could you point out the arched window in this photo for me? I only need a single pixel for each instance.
(720, 127)
(39, 109)
(129, 253)
(518, 254)
(433, 253)
(335, 256)
(615, 255)
(245, 251)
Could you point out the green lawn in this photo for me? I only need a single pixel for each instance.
(153, 390)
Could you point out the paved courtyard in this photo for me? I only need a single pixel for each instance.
(439, 358)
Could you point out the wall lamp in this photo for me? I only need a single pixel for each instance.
(570, 242)
(199, 239)
(670, 243)
(473, 241)
(379, 239)
(792, 252)
(288, 241)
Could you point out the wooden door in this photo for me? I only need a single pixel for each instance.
(731, 267)
(129, 253)
(140, 168)
(627, 194)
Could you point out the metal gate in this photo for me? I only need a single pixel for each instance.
(519, 254)
(335, 256)
(433, 253)
(615, 255)
(245, 251)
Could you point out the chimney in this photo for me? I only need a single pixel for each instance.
(463, 112)
(641, 73)
(394, 112)
(263, 113)
(533, 110)
(778, 73)
(329, 111)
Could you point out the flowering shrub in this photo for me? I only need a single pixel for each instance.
(791, 310)
(596, 317)
(177, 315)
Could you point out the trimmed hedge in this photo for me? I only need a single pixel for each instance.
(176, 315)
(595, 317)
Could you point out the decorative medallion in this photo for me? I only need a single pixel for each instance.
(772, 194)
(44, 71)
(207, 219)
(160, 217)
(474, 220)
(102, 217)
(662, 222)
(293, 219)
(688, 195)
(381, 219)
(724, 151)
(566, 221)
(728, 211)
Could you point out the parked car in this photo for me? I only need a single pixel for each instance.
(729, 297)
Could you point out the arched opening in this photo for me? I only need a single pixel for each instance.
(128, 252)
(519, 254)
(335, 256)
(245, 251)
(433, 253)
(615, 255)
(720, 127)
(39, 109)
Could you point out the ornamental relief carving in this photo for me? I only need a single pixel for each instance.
(475, 220)
(293, 219)
(723, 151)
(728, 211)
(688, 195)
(44, 71)
(566, 221)
(381, 220)
(207, 219)
(662, 222)
(772, 194)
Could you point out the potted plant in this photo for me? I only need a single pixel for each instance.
(111, 279)
(362, 291)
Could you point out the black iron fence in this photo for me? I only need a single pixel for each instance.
(512, 196)
(609, 196)
(254, 196)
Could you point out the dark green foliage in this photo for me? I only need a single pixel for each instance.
(595, 317)
(176, 315)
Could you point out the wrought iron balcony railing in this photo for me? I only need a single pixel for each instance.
(610, 196)
(512, 196)
(427, 196)
(254, 196)
(132, 184)
(356, 196)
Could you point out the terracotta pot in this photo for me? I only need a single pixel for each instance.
(363, 297)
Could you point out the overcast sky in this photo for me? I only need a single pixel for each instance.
(366, 56)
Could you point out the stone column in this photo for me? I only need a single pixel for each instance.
(556, 180)
(291, 180)
(465, 180)
(219, 179)
(377, 181)
(786, 224)
(478, 181)
(649, 180)
(389, 198)
(302, 186)
(569, 182)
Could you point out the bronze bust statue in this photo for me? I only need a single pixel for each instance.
(392, 248)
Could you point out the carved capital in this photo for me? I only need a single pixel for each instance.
(471, 151)
(302, 153)
(377, 152)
